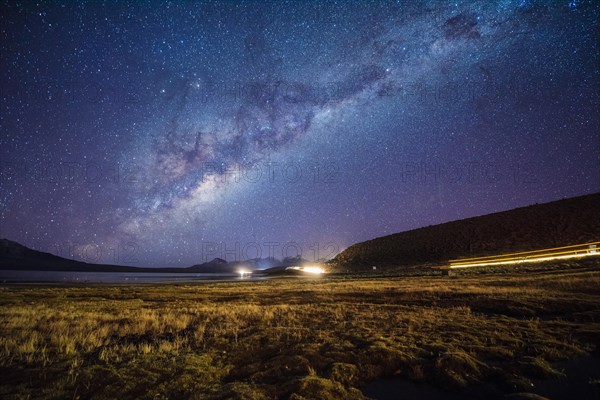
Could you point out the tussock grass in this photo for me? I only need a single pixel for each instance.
(292, 338)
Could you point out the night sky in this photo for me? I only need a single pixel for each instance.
(167, 134)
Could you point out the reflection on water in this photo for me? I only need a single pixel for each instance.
(9, 276)
(578, 382)
(393, 389)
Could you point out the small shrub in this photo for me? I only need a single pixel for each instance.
(347, 374)
(458, 368)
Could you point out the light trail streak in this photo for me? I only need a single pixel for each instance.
(309, 269)
(557, 253)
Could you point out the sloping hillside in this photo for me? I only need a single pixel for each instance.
(16, 256)
(559, 223)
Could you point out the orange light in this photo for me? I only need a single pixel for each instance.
(557, 253)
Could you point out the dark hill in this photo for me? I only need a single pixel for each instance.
(213, 266)
(559, 223)
(16, 256)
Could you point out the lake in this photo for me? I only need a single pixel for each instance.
(13, 276)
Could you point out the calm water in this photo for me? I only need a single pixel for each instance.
(578, 383)
(114, 277)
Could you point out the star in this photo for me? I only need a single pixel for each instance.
(183, 124)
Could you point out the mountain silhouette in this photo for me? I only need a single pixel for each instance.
(559, 223)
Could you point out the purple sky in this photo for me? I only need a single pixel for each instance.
(167, 134)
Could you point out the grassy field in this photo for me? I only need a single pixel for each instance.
(293, 338)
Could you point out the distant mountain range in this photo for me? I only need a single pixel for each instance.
(15, 256)
(220, 265)
(558, 223)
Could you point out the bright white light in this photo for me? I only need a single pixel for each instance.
(313, 270)
(309, 269)
(243, 273)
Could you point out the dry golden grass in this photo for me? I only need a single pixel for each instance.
(292, 338)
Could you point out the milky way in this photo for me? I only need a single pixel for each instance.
(170, 133)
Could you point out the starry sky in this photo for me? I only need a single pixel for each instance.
(167, 134)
